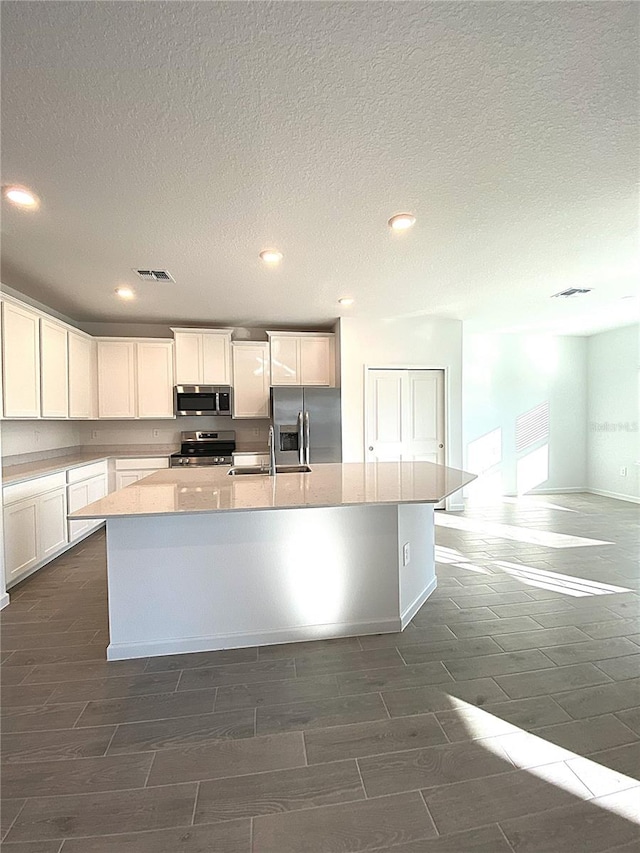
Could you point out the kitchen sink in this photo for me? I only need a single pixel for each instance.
(280, 469)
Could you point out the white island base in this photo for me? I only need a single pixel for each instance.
(204, 581)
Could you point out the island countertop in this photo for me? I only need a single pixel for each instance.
(201, 490)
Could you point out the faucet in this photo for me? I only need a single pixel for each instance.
(272, 451)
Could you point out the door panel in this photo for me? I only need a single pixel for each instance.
(325, 433)
(54, 371)
(285, 360)
(424, 441)
(215, 355)
(315, 361)
(21, 362)
(188, 354)
(52, 521)
(385, 415)
(155, 379)
(287, 408)
(21, 537)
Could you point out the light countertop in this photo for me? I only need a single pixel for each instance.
(29, 470)
(174, 491)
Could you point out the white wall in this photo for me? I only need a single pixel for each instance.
(414, 342)
(109, 433)
(506, 376)
(35, 436)
(614, 412)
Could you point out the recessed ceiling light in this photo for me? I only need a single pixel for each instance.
(346, 301)
(125, 292)
(271, 256)
(402, 221)
(21, 196)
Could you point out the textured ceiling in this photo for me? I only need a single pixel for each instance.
(189, 136)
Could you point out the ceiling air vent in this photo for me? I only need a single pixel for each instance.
(572, 291)
(154, 275)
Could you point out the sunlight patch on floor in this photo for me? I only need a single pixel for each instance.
(567, 584)
(543, 759)
(517, 534)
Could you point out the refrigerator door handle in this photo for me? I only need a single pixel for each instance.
(300, 440)
(307, 436)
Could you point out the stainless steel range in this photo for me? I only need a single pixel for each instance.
(204, 448)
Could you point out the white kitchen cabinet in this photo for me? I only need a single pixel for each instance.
(81, 376)
(20, 361)
(135, 378)
(303, 358)
(54, 370)
(116, 379)
(202, 356)
(82, 493)
(131, 470)
(20, 538)
(35, 524)
(52, 522)
(250, 379)
(155, 379)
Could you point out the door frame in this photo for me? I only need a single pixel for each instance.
(447, 406)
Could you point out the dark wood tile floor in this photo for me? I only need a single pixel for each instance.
(505, 719)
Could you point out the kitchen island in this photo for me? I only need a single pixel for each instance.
(198, 560)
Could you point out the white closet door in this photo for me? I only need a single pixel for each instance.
(385, 412)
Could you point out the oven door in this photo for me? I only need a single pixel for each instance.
(195, 400)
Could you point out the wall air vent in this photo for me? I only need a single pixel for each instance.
(572, 291)
(154, 275)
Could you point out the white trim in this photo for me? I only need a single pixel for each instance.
(566, 490)
(124, 651)
(616, 495)
(4, 600)
(415, 605)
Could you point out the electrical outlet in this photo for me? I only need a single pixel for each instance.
(406, 554)
(623, 471)
(156, 433)
(94, 433)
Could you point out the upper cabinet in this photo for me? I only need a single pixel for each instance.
(54, 370)
(250, 379)
(81, 376)
(20, 361)
(202, 356)
(135, 378)
(302, 358)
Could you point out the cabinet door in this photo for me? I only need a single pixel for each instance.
(21, 362)
(77, 498)
(285, 357)
(216, 355)
(126, 478)
(54, 370)
(116, 379)
(52, 522)
(250, 380)
(80, 378)
(316, 363)
(155, 379)
(188, 348)
(20, 538)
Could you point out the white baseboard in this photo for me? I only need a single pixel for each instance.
(616, 495)
(568, 491)
(304, 633)
(415, 605)
(4, 600)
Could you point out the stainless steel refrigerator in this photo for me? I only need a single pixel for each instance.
(307, 425)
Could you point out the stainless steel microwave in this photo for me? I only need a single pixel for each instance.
(200, 400)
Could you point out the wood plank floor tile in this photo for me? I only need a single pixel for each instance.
(551, 680)
(115, 687)
(392, 678)
(468, 630)
(203, 678)
(592, 650)
(498, 718)
(590, 827)
(194, 660)
(237, 696)
(105, 712)
(104, 813)
(82, 775)
(498, 664)
(586, 736)
(228, 758)
(329, 663)
(449, 650)
(231, 837)
(278, 791)
(176, 732)
(51, 745)
(297, 716)
(621, 668)
(602, 699)
(348, 828)
(421, 700)
(541, 638)
(361, 739)
(488, 839)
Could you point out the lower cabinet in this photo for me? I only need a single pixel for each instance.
(129, 471)
(35, 523)
(78, 496)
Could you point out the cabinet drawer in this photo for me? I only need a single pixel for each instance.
(150, 463)
(30, 488)
(96, 469)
